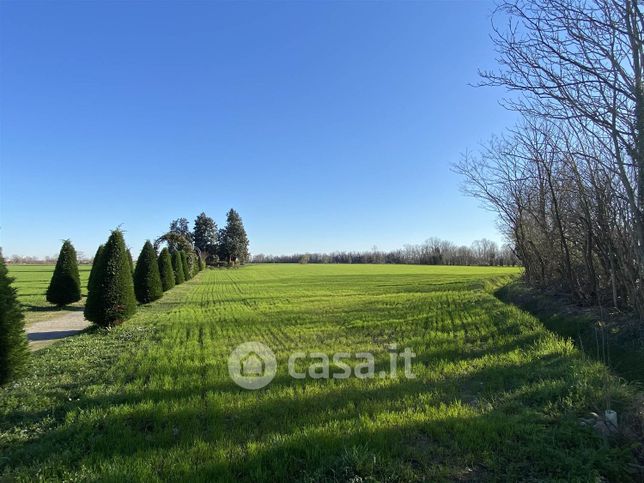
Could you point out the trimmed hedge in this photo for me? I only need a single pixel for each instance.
(147, 279)
(177, 268)
(13, 341)
(165, 270)
(111, 298)
(184, 263)
(64, 287)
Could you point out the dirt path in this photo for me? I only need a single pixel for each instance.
(44, 333)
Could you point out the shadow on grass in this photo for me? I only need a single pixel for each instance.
(52, 308)
(622, 352)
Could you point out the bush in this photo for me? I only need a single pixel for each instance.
(111, 297)
(95, 263)
(184, 264)
(64, 287)
(200, 264)
(177, 268)
(129, 259)
(165, 270)
(147, 279)
(13, 341)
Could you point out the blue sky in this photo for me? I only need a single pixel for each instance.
(328, 126)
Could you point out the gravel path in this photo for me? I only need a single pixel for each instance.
(44, 333)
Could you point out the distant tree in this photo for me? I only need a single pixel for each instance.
(201, 263)
(233, 241)
(177, 268)
(181, 227)
(64, 287)
(165, 270)
(13, 341)
(147, 279)
(187, 275)
(111, 298)
(205, 235)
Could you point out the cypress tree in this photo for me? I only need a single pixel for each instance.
(111, 298)
(177, 268)
(13, 341)
(91, 281)
(129, 259)
(184, 265)
(165, 270)
(147, 279)
(64, 287)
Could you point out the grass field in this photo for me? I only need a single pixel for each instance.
(496, 396)
(32, 281)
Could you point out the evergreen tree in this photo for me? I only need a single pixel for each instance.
(13, 341)
(64, 287)
(147, 279)
(177, 268)
(111, 298)
(233, 241)
(205, 235)
(201, 264)
(184, 264)
(129, 259)
(165, 270)
(91, 281)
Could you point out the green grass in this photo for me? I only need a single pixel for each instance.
(31, 282)
(497, 396)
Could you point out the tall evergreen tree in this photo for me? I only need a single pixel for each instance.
(64, 287)
(147, 279)
(205, 235)
(93, 277)
(184, 264)
(233, 241)
(13, 341)
(111, 298)
(130, 261)
(177, 268)
(165, 270)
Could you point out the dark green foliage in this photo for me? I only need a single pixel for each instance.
(129, 258)
(187, 275)
(65, 287)
(13, 341)
(165, 270)
(205, 235)
(233, 241)
(111, 298)
(177, 268)
(90, 302)
(147, 279)
(201, 263)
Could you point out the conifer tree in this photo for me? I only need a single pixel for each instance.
(64, 287)
(13, 341)
(177, 268)
(111, 298)
(147, 279)
(233, 241)
(165, 270)
(93, 277)
(131, 262)
(184, 263)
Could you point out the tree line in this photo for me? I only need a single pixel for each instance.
(433, 251)
(567, 181)
(116, 284)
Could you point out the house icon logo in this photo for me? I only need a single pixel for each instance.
(252, 365)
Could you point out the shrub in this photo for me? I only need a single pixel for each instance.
(165, 270)
(13, 342)
(95, 263)
(184, 264)
(64, 287)
(129, 259)
(111, 297)
(177, 268)
(147, 279)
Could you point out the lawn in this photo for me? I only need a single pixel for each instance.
(32, 281)
(496, 395)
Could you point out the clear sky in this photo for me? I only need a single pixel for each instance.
(327, 125)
